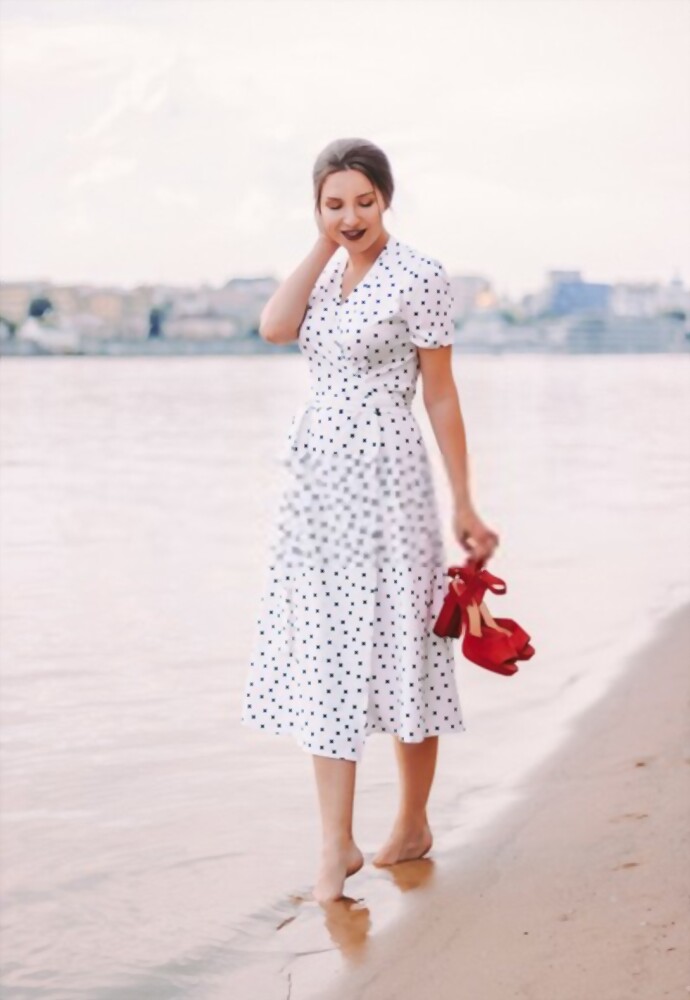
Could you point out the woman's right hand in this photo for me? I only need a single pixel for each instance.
(328, 243)
(477, 539)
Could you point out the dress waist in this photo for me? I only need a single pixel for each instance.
(302, 450)
(375, 400)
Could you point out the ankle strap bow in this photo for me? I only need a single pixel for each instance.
(477, 582)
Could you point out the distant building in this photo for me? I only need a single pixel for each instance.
(635, 299)
(675, 297)
(650, 299)
(229, 311)
(244, 298)
(567, 294)
(97, 311)
(16, 296)
(51, 335)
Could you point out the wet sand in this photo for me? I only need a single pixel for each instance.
(582, 890)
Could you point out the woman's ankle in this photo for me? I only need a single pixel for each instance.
(337, 843)
(414, 822)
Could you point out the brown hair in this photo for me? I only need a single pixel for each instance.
(354, 154)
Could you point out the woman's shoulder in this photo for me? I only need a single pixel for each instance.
(417, 262)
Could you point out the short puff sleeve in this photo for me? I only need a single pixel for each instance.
(427, 307)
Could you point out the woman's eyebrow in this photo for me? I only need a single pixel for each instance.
(334, 197)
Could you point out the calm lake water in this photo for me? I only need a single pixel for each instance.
(151, 845)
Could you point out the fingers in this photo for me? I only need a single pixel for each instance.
(481, 547)
(490, 548)
(484, 549)
(467, 542)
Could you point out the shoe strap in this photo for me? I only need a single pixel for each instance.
(477, 582)
(468, 593)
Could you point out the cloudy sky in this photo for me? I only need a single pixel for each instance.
(152, 140)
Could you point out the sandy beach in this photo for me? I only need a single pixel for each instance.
(582, 891)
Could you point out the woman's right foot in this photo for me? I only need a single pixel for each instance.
(336, 865)
(404, 844)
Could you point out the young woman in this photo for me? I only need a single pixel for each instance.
(344, 643)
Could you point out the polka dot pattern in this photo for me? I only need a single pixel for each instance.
(344, 645)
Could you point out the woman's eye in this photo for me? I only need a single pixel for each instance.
(336, 208)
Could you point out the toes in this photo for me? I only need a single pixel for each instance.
(398, 851)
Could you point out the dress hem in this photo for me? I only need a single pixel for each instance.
(293, 731)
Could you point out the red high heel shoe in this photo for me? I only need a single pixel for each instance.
(477, 572)
(450, 619)
(489, 648)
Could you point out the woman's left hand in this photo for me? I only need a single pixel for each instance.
(476, 538)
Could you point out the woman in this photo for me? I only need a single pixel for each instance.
(344, 643)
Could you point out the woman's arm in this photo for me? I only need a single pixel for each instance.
(284, 312)
(442, 403)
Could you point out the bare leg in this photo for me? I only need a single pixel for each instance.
(411, 836)
(340, 856)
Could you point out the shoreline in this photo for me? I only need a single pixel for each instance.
(582, 888)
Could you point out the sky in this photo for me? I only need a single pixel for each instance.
(147, 141)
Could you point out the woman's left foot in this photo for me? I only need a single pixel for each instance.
(336, 865)
(404, 844)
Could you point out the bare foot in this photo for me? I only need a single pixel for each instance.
(337, 863)
(404, 844)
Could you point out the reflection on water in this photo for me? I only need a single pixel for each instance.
(152, 846)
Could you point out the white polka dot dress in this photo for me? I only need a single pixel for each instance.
(344, 645)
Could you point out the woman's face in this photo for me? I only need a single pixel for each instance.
(350, 204)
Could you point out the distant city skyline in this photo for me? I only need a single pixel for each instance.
(170, 142)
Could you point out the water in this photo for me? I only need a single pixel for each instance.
(151, 845)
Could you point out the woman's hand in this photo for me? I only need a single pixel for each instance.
(475, 537)
(330, 244)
